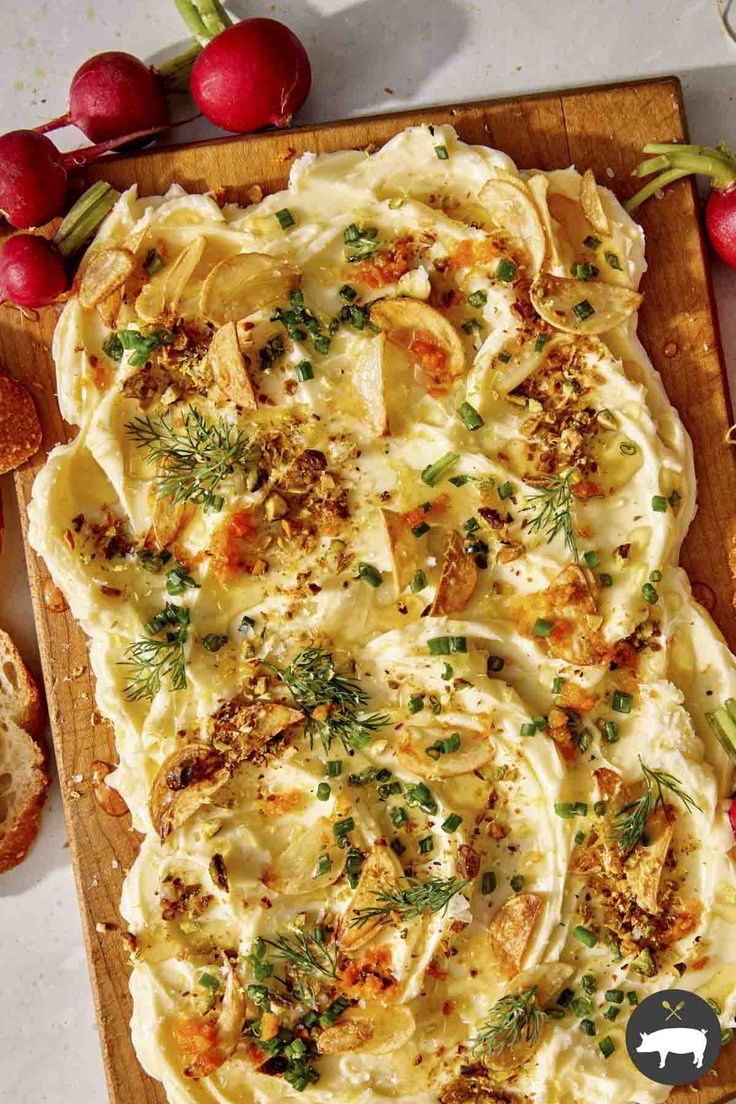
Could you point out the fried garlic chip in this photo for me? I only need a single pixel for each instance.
(294, 871)
(108, 269)
(511, 929)
(381, 872)
(424, 334)
(417, 751)
(590, 201)
(185, 781)
(241, 285)
(372, 1029)
(229, 369)
(582, 306)
(403, 546)
(512, 208)
(458, 576)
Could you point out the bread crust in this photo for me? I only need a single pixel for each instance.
(20, 428)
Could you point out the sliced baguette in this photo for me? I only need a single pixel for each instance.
(20, 429)
(24, 778)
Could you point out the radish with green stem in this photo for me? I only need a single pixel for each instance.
(34, 173)
(671, 161)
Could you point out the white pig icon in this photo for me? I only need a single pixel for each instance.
(674, 1040)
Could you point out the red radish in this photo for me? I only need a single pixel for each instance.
(32, 271)
(254, 74)
(732, 815)
(113, 94)
(33, 173)
(672, 161)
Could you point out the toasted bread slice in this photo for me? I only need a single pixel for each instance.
(20, 429)
(23, 776)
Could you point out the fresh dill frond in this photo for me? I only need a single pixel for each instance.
(306, 952)
(552, 508)
(512, 1019)
(333, 704)
(415, 899)
(629, 825)
(160, 658)
(192, 454)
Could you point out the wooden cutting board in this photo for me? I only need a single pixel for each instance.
(604, 128)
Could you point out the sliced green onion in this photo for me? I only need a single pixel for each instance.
(418, 583)
(470, 525)
(505, 491)
(348, 293)
(579, 838)
(323, 791)
(426, 845)
(659, 504)
(370, 574)
(506, 270)
(478, 298)
(592, 559)
(285, 218)
(569, 809)
(655, 577)
(587, 1027)
(541, 341)
(588, 983)
(434, 472)
(341, 828)
(460, 480)
(632, 997)
(470, 417)
(209, 981)
(451, 823)
(458, 644)
(399, 817)
(675, 499)
(621, 702)
(333, 768)
(584, 270)
(528, 729)
(488, 882)
(541, 627)
(584, 739)
(615, 996)
(557, 684)
(416, 703)
(582, 310)
(610, 732)
(438, 645)
(304, 371)
(607, 1045)
(584, 935)
(442, 153)
(649, 594)
(612, 1012)
(420, 794)
(470, 325)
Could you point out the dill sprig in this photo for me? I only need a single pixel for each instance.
(333, 704)
(630, 822)
(193, 455)
(513, 1018)
(412, 901)
(159, 658)
(552, 508)
(306, 952)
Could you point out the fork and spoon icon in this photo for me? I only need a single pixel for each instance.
(673, 1011)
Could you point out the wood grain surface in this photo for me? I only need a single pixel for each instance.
(604, 128)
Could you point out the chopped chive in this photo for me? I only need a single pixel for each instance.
(615, 996)
(460, 480)
(610, 732)
(304, 371)
(333, 768)
(612, 1012)
(504, 357)
(605, 579)
(591, 242)
(370, 574)
(397, 846)
(600, 810)
(612, 260)
(324, 865)
(470, 325)
(541, 341)
(628, 448)
(438, 645)
(528, 729)
(569, 809)
(540, 722)
(434, 472)
(470, 417)
(399, 817)
(592, 559)
(416, 703)
(582, 310)
(488, 882)
(584, 935)
(478, 298)
(494, 664)
(632, 997)
(541, 627)
(588, 983)
(451, 823)
(341, 828)
(506, 270)
(565, 997)
(579, 838)
(426, 845)
(442, 153)
(675, 499)
(323, 791)
(607, 1045)
(458, 644)
(421, 795)
(212, 642)
(584, 270)
(420, 530)
(418, 583)
(247, 625)
(470, 525)
(649, 594)
(285, 218)
(505, 491)
(557, 684)
(659, 504)
(587, 1027)
(655, 577)
(209, 981)
(517, 883)
(621, 702)
(584, 740)
(348, 293)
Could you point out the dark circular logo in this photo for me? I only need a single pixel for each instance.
(673, 1037)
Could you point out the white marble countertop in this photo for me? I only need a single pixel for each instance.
(426, 51)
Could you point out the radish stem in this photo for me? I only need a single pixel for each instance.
(84, 217)
(77, 158)
(653, 186)
(652, 165)
(198, 16)
(55, 124)
(174, 74)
